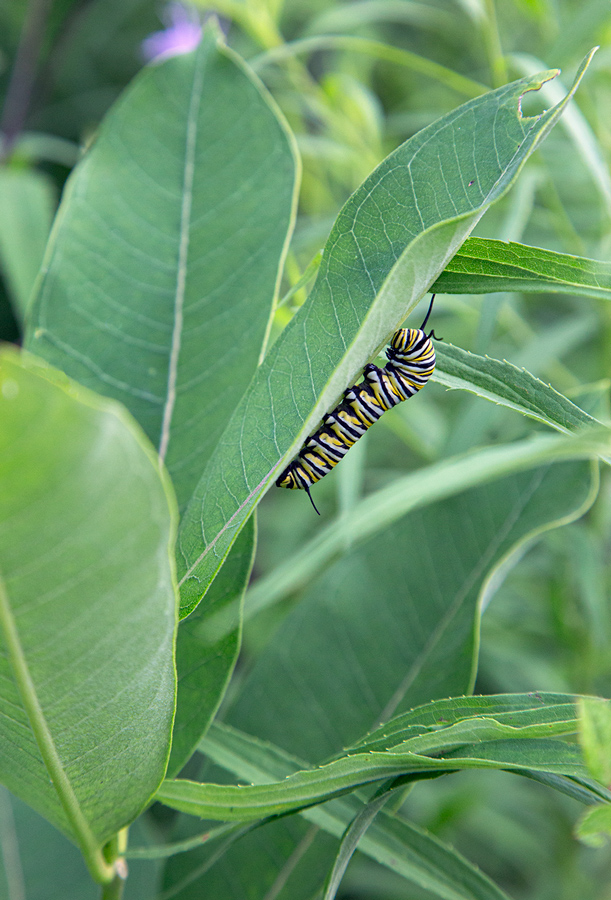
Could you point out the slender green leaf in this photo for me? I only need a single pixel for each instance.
(517, 710)
(27, 201)
(575, 124)
(595, 736)
(349, 842)
(391, 840)
(416, 490)
(398, 56)
(364, 12)
(482, 266)
(244, 802)
(391, 240)
(496, 746)
(584, 790)
(509, 386)
(161, 851)
(164, 260)
(594, 827)
(88, 611)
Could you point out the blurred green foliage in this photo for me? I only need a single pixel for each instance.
(354, 80)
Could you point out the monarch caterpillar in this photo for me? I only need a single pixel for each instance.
(411, 361)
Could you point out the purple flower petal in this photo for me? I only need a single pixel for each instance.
(183, 34)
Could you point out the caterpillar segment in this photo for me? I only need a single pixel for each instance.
(411, 362)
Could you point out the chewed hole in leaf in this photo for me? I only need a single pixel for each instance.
(530, 103)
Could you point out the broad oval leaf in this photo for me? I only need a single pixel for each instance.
(88, 611)
(162, 267)
(391, 240)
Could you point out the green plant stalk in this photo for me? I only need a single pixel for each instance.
(494, 50)
(163, 851)
(466, 86)
(23, 75)
(114, 890)
(100, 870)
(309, 273)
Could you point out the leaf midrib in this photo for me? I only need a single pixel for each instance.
(99, 868)
(183, 250)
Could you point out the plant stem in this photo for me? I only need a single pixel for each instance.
(376, 49)
(114, 890)
(19, 91)
(493, 46)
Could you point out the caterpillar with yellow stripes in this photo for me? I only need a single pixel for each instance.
(411, 361)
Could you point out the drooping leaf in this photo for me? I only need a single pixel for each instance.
(391, 840)
(88, 605)
(391, 240)
(470, 741)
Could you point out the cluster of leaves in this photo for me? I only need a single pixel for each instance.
(161, 393)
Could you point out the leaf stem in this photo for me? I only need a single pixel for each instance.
(99, 869)
(114, 890)
(378, 50)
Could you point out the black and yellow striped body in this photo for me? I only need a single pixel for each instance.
(411, 361)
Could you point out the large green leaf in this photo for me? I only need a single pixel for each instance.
(385, 507)
(391, 240)
(31, 848)
(482, 266)
(87, 603)
(163, 263)
(394, 621)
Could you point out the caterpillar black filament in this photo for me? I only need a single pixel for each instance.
(411, 361)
